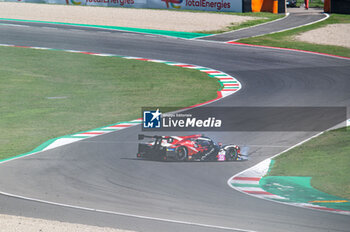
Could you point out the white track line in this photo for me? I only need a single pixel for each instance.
(298, 144)
(12, 25)
(287, 29)
(206, 36)
(280, 202)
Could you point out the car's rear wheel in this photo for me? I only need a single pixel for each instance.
(181, 153)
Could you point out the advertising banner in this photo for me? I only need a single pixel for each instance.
(29, 1)
(204, 5)
(111, 3)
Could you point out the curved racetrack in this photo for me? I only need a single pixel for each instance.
(101, 172)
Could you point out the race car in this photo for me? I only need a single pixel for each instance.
(187, 148)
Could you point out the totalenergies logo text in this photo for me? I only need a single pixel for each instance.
(173, 3)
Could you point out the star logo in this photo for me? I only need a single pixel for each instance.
(152, 119)
(156, 115)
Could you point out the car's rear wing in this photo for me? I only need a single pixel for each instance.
(142, 136)
(157, 143)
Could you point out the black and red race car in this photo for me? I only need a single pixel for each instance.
(187, 148)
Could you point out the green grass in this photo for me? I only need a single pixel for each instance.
(263, 17)
(287, 39)
(325, 158)
(98, 91)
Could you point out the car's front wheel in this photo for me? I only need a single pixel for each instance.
(232, 154)
(181, 153)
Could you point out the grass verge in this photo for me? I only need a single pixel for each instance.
(47, 94)
(263, 17)
(287, 39)
(325, 158)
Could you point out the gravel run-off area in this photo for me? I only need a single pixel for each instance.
(22, 224)
(122, 17)
(332, 34)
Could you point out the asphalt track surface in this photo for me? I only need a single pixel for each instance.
(291, 21)
(102, 172)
